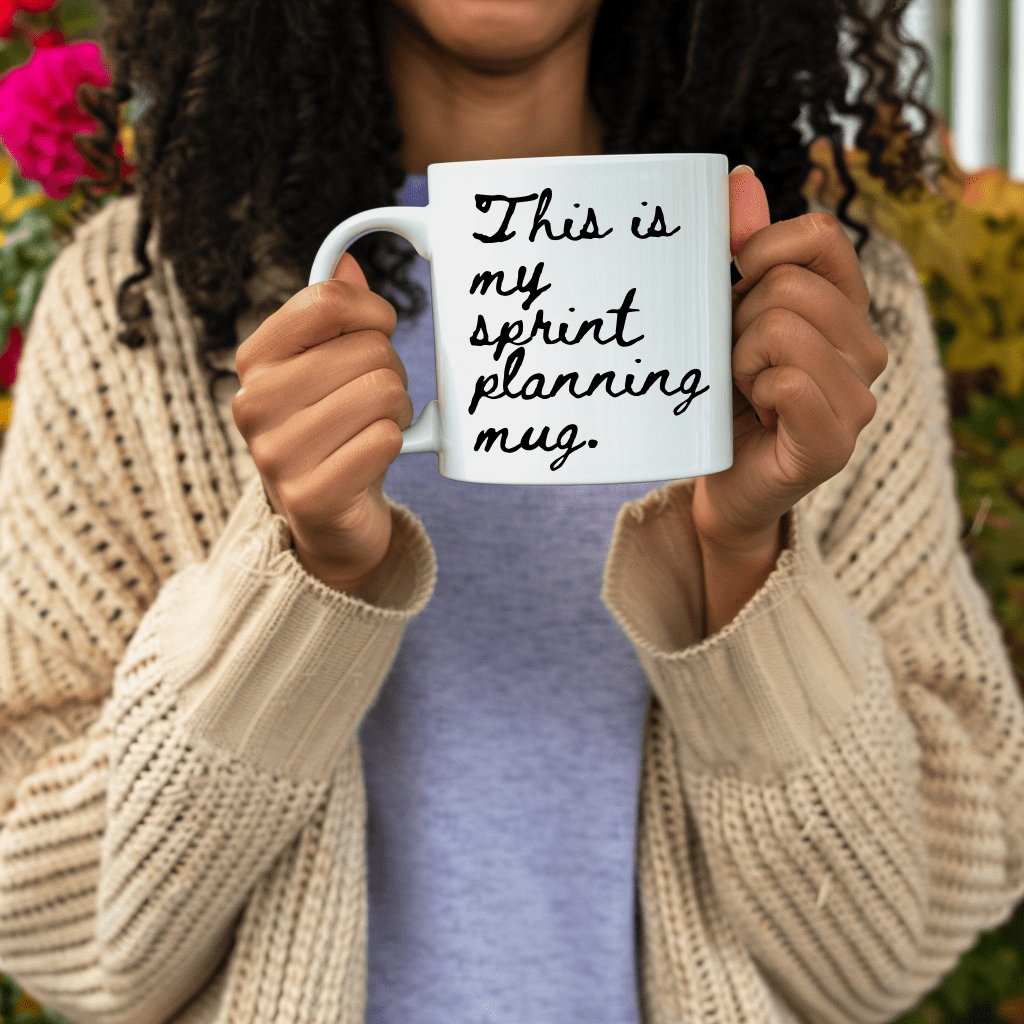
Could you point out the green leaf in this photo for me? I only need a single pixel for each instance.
(9, 993)
(28, 292)
(77, 16)
(956, 990)
(983, 479)
(10, 270)
(937, 290)
(40, 252)
(945, 332)
(14, 53)
(996, 313)
(926, 1012)
(1013, 460)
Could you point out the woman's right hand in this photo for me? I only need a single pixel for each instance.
(322, 406)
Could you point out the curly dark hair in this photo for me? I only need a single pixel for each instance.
(270, 118)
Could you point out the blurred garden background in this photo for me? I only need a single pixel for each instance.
(964, 231)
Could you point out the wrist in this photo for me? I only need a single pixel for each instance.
(363, 584)
(741, 545)
(735, 567)
(731, 535)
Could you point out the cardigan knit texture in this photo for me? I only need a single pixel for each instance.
(830, 787)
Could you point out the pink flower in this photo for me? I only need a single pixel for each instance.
(39, 114)
(8, 8)
(10, 357)
(49, 39)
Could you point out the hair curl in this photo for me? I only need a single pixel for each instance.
(270, 118)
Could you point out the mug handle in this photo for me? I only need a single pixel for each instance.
(412, 223)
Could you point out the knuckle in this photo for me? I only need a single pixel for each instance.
(377, 349)
(405, 411)
(242, 412)
(245, 356)
(388, 433)
(331, 305)
(389, 439)
(357, 309)
(792, 383)
(385, 385)
(326, 302)
(386, 312)
(265, 454)
(319, 296)
(821, 223)
(783, 283)
(776, 322)
(295, 495)
(870, 407)
(879, 358)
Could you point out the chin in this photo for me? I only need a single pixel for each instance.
(497, 31)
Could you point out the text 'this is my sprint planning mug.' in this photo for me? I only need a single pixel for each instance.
(582, 316)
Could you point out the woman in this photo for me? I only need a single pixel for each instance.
(206, 586)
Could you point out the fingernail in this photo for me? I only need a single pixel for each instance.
(743, 167)
(734, 272)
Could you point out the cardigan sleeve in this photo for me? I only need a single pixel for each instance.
(850, 748)
(169, 726)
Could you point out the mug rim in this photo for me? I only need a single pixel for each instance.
(598, 158)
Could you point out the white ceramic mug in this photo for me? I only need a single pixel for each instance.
(582, 316)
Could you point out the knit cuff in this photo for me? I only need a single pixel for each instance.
(271, 664)
(756, 698)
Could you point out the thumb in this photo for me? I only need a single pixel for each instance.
(349, 271)
(748, 207)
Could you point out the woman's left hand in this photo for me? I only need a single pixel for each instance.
(803, 360)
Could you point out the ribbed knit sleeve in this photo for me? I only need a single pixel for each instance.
(850, 747)
(179, 696)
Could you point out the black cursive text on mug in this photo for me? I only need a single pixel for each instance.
(590, 228)
(566, 441)
(489, 386)
(511, 332)
(657, 227)
(530, 288)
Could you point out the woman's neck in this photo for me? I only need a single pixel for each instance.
(453, 108)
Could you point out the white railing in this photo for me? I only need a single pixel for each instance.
(977, 47)
(1016, 69)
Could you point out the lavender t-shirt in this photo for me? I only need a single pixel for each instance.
(502, 756)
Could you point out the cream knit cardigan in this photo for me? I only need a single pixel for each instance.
(831, 796)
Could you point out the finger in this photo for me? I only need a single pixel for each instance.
(312, 316)
(815, 241)
(748, 207)
(778, 337)
(348, 270)
(824, 307)
(272, 397)
(296, 446)
(812, 444)
(316, 497)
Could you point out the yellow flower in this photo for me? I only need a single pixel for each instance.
(25, 1003)
(965, 234)
(128, 143)
(11, 206)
